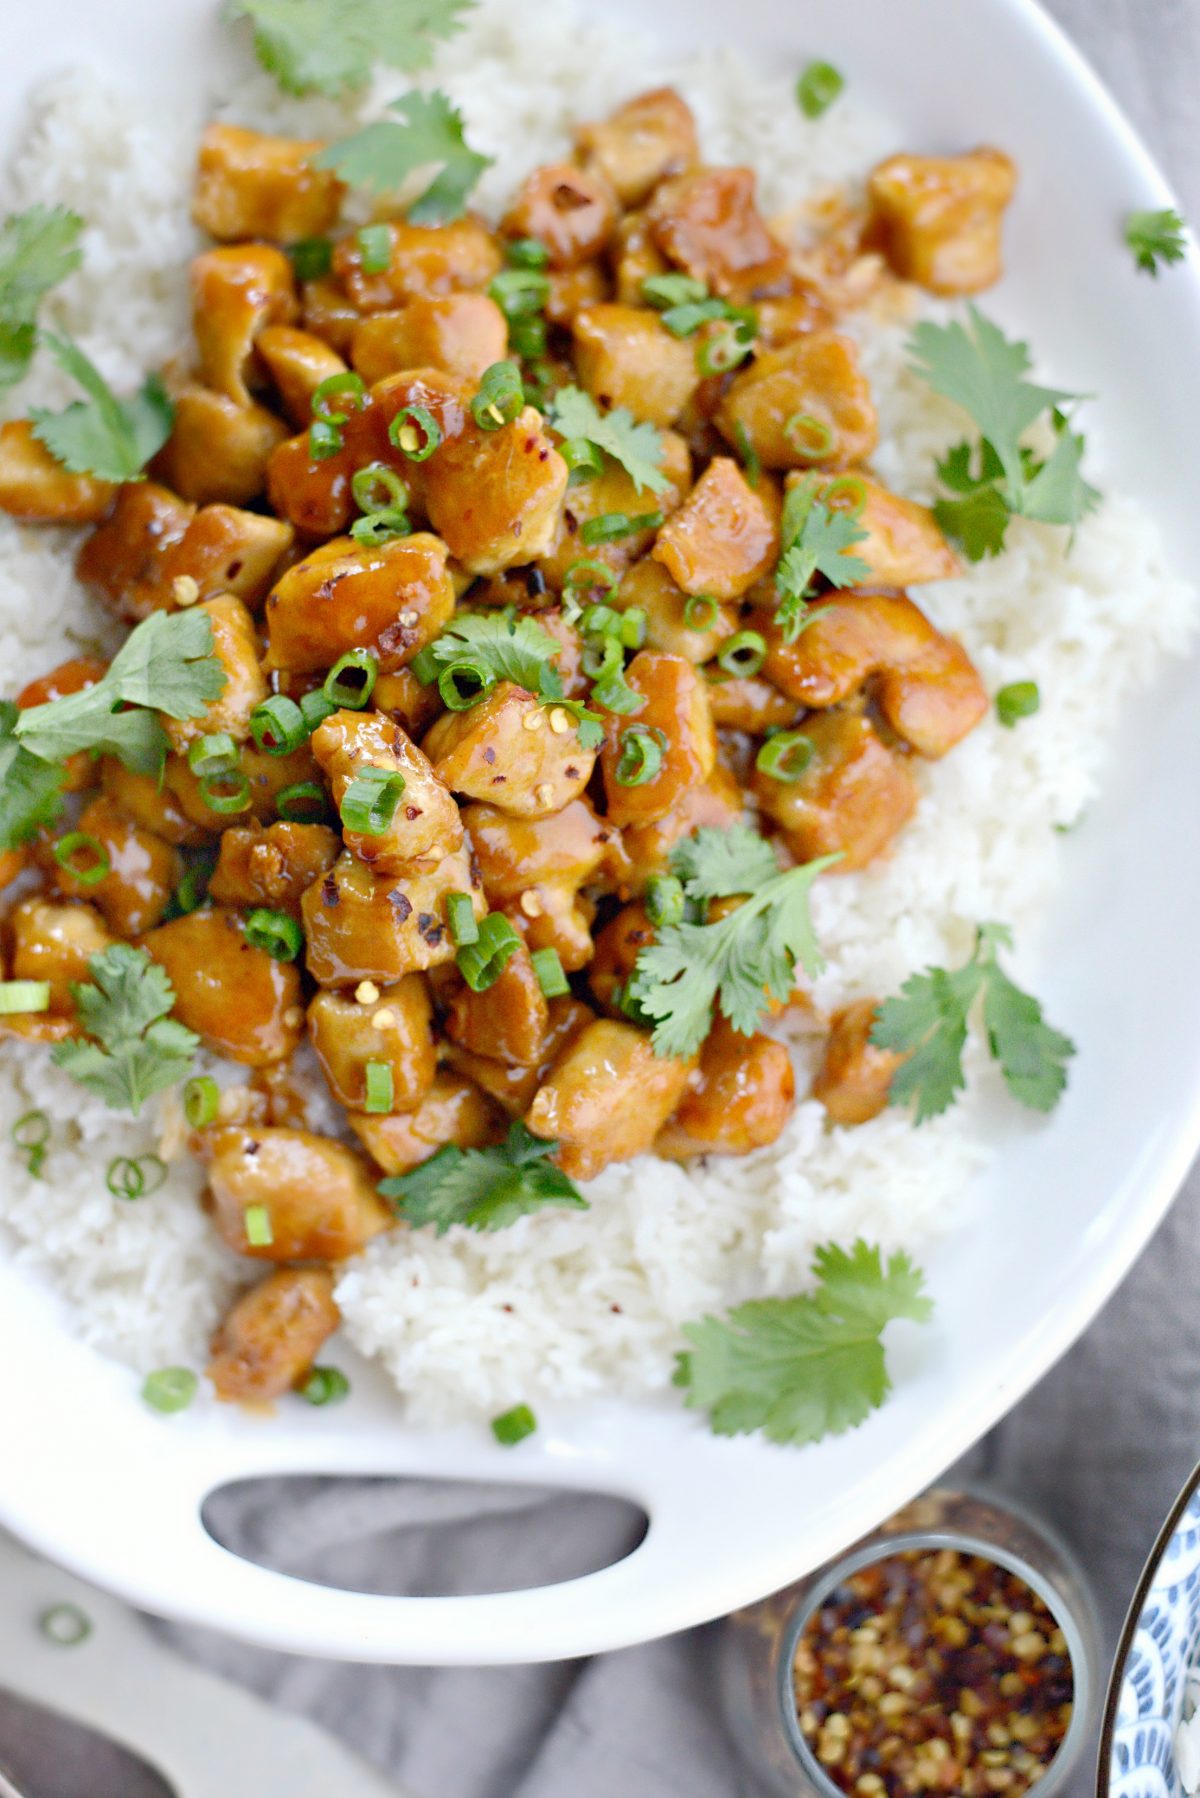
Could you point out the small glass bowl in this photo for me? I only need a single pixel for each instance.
(757, 1646)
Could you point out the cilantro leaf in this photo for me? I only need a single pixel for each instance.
(30, 790)
(637, 447)
(1057, 492)
(1156, 237)
(805, 1367)
(715, 863)
(103, 436)
(929, 1019)
(38, 249)
(484, 1189)
(816, 540)
(136, 1048)
(165, 665)
(382, 156)
(331, 46)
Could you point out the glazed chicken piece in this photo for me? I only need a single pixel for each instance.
(677, 709)
(327, 311)
(364, 926)
(426, 820)
(904, 545)
(807, 402)
(511, 1084)
(749, 703)
(494, 496)
(744, 1096)
(218, 450)
(924, 683)
(454, 1111)
(507, 1022)
(12, 863)
(297, 363)
(618, 946)
(722, 539)
(938, 219)
(272, 1336)
(625, 356)
(521, 756)
(651, 136)
(424, 260)
(635, 257)
(571, 211)
(716, 801)
(143, 871)
(236, 291)
(782, 321)
(613, 490)
(256, 783)
(73, 676)
(533, 869)
(668, 609)
(238, 999)
(251, 185)
(462, 333)
(394, 1031)
(318, 1196)
(707, 223)
(148, 802)
(855, 1078)
(851, 800)
(36, 488)
(272, 867)
(390, 599)
(154, 540)
(606, 1098)
(51, 940)
(571, 291)
(403, 697)
(235, 646)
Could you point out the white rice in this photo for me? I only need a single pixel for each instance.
(572, 1303)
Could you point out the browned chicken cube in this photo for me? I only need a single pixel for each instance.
(142, 870)
(606, 1098)
(218, 450)
(454, 1110)
(364, 926)
(716, 801)
(494, 496)
(635, 257)
(508, 1021)
(403, 697)
(938, 219)
(149, 802)
(424, 260)
(462, 333)
(156, 550)
(394, 1031)
(511, 1084)
(854, 1078)
(426, 820)
(614, 490)
(251, 185)
(618, 946)
(52, 940)
(73, 676)
(853, 798)
(749, 703)
(236, 291)
(238, 999)
(224, 550)
(651, 136)
(678, 623)
(328, 312)
(235, 646)
(35, 487)
(318, 1196)
(707, 222)
(572, 290)
(903, 545)
(297, 363)
(723, 538)
(782, 321)
(272, 867)
(678, 719)
(533, 868)
(744, 1096)
(626, 357)
(572, 211)
(519, 755)
(273, 1335)
(390, 599)
(12, 863)
(807, 402)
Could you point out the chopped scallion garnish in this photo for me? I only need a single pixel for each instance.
(325, 1386)
(96, 864)
(743, 654)
(1020, 699)
(278, 725)
(135, 1177)
(380, 1083)
(641, 755)
(170, 1389)
(369, 802)
(460, 915)
(500, 397)
(351, 681)
(513, 1426)
(275, 931)
(785, 756)
(818, 88)
(201, 1101)
(66, 1625)
(30, 1135)
(482, 962)
(550, 975)
(415, 432)
(18, 997)
(256, 1221)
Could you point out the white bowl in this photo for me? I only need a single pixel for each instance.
(94, 1480)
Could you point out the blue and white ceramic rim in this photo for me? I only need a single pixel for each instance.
(1160, 1641)
(1082, 1669)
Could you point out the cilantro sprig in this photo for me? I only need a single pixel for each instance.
(805, 1367)
(484, 1189)
(983, 371)
(38, 249)
(103, 436)
(165, 665)
(1156, 238)
(741, 962)
(929, 1019)
(816, 539)
(427, 131)
(331, 46)
(137, 1049)
(30, 790)
(490, 647)
(637, 447)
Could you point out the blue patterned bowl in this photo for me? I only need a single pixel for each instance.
(1160, 1642)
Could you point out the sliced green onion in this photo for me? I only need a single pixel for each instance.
(31, 1135)
(585, 576)
(325, 1386)
(128, 1178)
(369, 802)
(519, 292)
(808, 436)
(275, 931)
(1020, 699)
(785, 756)
(278, 725)
(20, 996)
(662, 291)
(743, 654)
(723, 350)
(375, 528)
(332, 388)
(611, 689)
(213, 755)
(374, 248)
(351, 680)
(748, 453)
(641, 757)
(324, 439)
(500, 397)
(315, 708)
(460, 915)
(549, 971)
(610, 526)
(381, 1092)
(529, 337)
(78, 842)
(629, 628)
(226, 792)
(464, 684)
(192, 890)
(513, 1426)
(170, 1389)
(311, 258)
(65, 1625)
(303, 803)
(685, 321)
(665, 900)
(415, 432)
(377, 486)
(700, 611)
(818, 88)
(201, 1100)
(846, 494)
(583, 458)
(481, 963)
(527, 252)
(256, 1221)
